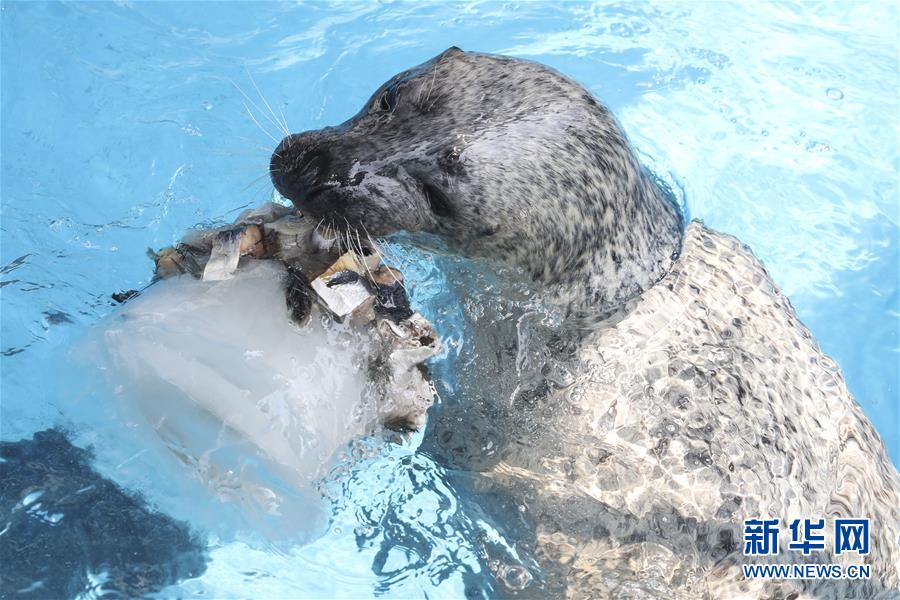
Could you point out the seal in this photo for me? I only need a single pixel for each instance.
(677, 396)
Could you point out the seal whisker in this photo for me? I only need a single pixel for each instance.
(277, 123)
(351, 247)
(361, 253)
(255, 181)
(331, 234)
(255, 105)
(271, 137)
(244, 153)
(268, 151)
(378, 249)
(336, 232)
(286, 128)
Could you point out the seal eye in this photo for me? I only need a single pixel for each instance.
(384, 103)
(387, 102)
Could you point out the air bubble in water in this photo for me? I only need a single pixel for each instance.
(817, 147)
(514, 577)
(834, 94)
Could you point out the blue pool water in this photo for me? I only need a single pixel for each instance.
(122, 126)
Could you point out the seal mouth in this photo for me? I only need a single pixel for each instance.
(309, 201)
(314, 191)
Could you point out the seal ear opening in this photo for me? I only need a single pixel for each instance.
(437, 201)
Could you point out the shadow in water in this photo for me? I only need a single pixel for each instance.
(66, 530)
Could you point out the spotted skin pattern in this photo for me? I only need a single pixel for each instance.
(436, 151)
(700, 399)
(707, 404)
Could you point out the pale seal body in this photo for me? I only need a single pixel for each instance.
(707, 404)
(691, 398)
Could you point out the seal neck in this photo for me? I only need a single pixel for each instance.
(628, 251)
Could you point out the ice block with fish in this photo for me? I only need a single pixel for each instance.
(224, 346)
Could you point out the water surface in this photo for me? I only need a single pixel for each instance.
(122, 125)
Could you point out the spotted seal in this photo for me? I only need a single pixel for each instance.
(692, 398)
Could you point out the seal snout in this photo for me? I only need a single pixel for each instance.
(298, 167)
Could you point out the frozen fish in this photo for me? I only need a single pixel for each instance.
(226, 332)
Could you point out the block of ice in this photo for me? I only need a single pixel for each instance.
(218, 371)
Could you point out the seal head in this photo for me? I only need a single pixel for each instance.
(499, 158)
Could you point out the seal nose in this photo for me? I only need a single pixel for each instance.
(296, 165)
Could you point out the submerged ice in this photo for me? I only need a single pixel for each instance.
(236, 391)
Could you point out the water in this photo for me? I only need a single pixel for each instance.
(122, 126)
